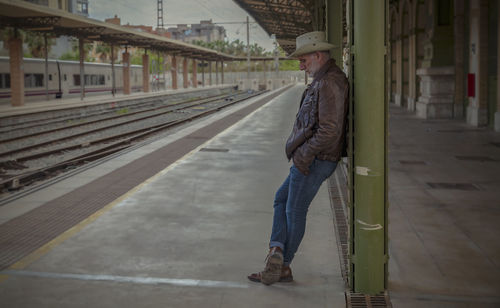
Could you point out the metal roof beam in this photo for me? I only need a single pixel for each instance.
(29, 22)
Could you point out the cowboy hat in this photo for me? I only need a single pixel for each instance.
(311, 42)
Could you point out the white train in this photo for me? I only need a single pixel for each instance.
(64, 78)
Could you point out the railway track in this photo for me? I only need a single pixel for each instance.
(14, 145)
(32, 127)
(23, 166)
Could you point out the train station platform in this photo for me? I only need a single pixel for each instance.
(185, 237)
(188, 235)
(444, 213)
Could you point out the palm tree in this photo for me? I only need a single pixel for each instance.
(87, 48)
(34, 40)
(36, 44)
(104, 52)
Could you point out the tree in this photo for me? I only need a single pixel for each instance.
(74, 54)
(36, 44)
(237, 48)
(34, 40)
(103, 52)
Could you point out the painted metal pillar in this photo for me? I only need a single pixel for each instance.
(248, 49)
(46, 73)
(194, 77)
(82, 68)
(16, 71)
(173, 71)
(217, 72)
(185, 81)
(334, 29)
(203, 73)
(210, 73)
(264, 70)
(222, 71)
(497, 113)
(369, 207)
(113, 76)
(145, 72)
(126, 73)
(164, 69)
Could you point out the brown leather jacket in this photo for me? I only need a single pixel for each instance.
(319, 127)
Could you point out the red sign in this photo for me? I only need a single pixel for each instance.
(471, 85)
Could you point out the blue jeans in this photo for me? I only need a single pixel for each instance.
(291, 203)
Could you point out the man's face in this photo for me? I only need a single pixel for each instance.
(309, 63)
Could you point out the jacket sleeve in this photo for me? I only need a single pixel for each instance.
(331, 111)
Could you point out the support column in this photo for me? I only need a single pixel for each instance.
(398, 97)
(334, 29)
(195, 72)
(222, 71)
(217, 72)
(210, 72)
(16, 71)
(412, 68)
(126, 73)
(368, 211)
(477, 110)
(82, 68)
(185, 81)
(203, 73)
(46, 73)
(437, 72)
(248, 50)
(460, 45)
(145, 73)
(497, 113)
(164, 69)
(173, 71)
(113, 76)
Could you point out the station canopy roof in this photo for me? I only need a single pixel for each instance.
(286, 19)
(32, 17)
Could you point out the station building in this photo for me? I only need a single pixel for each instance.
(443, 59)
(205, 31)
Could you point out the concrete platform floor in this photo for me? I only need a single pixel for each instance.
(189, 236)
(443, 239)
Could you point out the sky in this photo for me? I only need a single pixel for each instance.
(143, 12)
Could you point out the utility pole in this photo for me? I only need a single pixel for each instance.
(248, 48)
(160, 15)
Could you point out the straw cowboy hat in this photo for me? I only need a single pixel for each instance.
(311, 42)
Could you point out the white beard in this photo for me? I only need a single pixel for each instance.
(314, 68)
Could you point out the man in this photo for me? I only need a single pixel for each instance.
(315, 146)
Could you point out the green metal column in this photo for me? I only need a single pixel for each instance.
(334, 28)
(369, 212)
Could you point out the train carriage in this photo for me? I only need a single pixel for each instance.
(64, 78)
